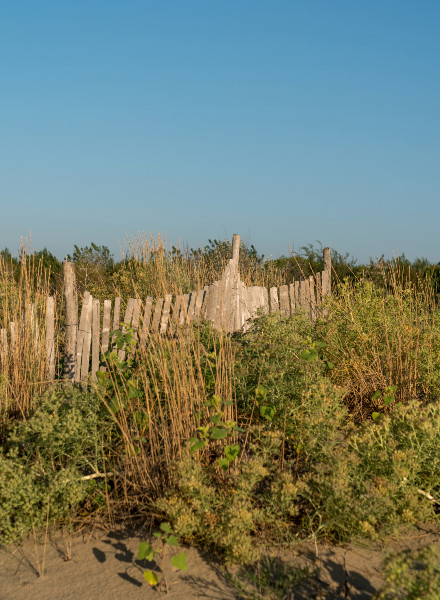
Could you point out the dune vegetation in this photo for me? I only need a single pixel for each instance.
(325, 430)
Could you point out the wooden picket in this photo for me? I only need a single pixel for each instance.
(227, 304)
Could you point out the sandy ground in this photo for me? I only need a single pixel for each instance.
(104, 566)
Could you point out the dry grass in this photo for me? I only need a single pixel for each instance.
(379, 336)
(23, 361)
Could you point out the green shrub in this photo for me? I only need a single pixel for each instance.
(44, 460)
(370, 485)
(411, 575)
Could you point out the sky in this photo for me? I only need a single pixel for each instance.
(284, 121)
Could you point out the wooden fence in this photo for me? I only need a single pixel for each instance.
(228, 304)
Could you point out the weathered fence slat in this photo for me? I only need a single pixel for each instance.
(96, 321)
(126, 323)
(71, 312)
(116, 317)
(274, 305)
(284, 301)
(80, 336)
(184, 318)
(165, 314)
(156, 315)
(192, 306)
(106, 319)
(3, 345)
(87, 338)
(50, 337)
(146, 319)
(228, 304)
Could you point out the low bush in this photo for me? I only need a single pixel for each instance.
(45, 461)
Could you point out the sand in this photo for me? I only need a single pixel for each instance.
(104, 565)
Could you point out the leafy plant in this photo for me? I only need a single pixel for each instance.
(411, 575)
(146, 552)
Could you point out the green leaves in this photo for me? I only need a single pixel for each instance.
(232, 451)
(145, 551)
(387, 399)
(309, 355)
(197, 444)
(151, 578)
(267, 412)
(218, 433)
(179, 561)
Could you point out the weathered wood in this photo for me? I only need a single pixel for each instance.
(35, 330)
(50, 338)
(116, 317)
(146, 319)
(126, 324)
(304, 298)
(284, 301)
(176, 309)
(205, 299)
(201, 294)
(165, 314)
(192, 306)
(13, 330)
(184, 312)
(318, 292)
(292, 297)
(328, 268)
(297, 298)
(96, 322)
(156, 315)
(312, 298)
(106, 320)
(235, 247)
(71, 326)
(326, 284)
(3, 345)
(274, 305)
(87, 339)
(80, 336)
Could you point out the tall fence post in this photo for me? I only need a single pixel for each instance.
(327, 284)
(71, 304)
(235, 247)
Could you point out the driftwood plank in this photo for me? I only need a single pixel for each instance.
(87, 339)
(184, 319)
(312, 297)
(165, 314)
(192, 306)
(80, 336)
(328, 267)
(326, 284)
(13, 329)
(274, 304)
(96, 321)
(106, 319)
(116, 317)
(199, 303)
(176, 309)
(156, 315)
(126, 324)
(3, 345)
(292, 297)
(284, 301)
(71, 327)
(50, 338)
(318, 291)
(146, 319)
(35, 330)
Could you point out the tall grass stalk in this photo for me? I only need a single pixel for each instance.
(23, 362)
(382, 335)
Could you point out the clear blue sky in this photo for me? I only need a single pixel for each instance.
(284, 121)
